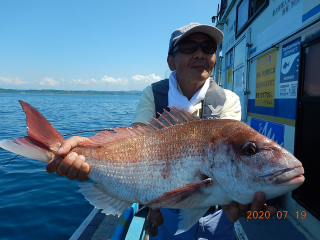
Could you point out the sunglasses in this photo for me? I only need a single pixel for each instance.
(190, 46)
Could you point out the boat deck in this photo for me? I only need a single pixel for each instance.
(98, 226)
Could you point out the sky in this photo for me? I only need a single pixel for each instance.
(91, 45)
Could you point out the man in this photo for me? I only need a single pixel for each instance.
(191, 57)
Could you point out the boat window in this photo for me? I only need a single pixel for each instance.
(247, 11)
(312, 71)
(242, 14)
(239, 54)
(307, 131)
(255, 6)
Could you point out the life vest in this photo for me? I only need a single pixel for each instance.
(211, 104)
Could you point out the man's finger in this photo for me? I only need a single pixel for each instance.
(155, 217)
(66, 163)
(53, 164)
(75, 167)
(243, 210)
(150, 229)
(234, 212)
(83, 172)
(272, 210)
(69, 144)
(226, 207)
(258, 202)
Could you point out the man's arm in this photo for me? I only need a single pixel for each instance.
(146, 108)
(232, 107)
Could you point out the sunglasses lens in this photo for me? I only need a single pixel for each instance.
(188, 47)
(192, 46)
(209, 47)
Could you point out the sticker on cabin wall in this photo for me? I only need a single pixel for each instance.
(272, 130)
(288, 90)
(289, 69)
(265, 79)
(230, 74)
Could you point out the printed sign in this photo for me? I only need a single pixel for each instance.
(265, 79)
(283, 24)
(283, 7)
(230, 66)
(272, 130)
(290, 69)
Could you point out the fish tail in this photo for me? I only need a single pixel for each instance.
(43, 139)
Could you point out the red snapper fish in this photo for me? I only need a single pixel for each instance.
(176, 161)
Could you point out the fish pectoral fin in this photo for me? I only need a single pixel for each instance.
(188, 217)
(99, 199)
(186, 196)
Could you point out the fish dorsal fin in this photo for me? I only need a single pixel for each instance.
(104, 137)
(173, 117)
(167, 119)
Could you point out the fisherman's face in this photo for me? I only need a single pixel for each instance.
(195, 66)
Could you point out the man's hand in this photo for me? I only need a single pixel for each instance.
(73, 166)
(236, 210)
(154, 220)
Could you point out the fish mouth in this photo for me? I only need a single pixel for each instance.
(287, 176)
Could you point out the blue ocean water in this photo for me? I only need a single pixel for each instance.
(33, 203)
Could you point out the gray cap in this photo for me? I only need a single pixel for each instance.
(184, 31)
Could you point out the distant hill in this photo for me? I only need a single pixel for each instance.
(114, 93)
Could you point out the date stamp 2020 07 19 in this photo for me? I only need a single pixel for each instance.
(267, 215)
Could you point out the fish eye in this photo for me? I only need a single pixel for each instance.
(249, 148)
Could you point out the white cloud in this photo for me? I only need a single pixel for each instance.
(107, 79)
(49, 81)
(139, 79)
(137, 82)
(83, 82)
(15, 81)
(79, 81)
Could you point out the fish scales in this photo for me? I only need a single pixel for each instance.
(191, 164)
(164, 153)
